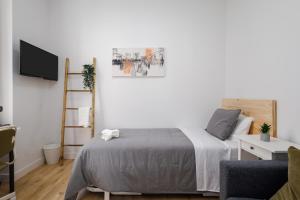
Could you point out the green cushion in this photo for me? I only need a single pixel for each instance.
(2, 166)
(291, 190)
(284, 193)
(6, 141)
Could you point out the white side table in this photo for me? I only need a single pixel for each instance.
(276, 149)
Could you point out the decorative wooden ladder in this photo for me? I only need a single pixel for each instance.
(65, 108)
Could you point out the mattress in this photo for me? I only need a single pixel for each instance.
(140, 160)
(152, 161)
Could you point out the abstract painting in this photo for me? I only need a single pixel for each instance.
(138, 62)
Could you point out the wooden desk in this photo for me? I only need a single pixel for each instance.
(11, 168)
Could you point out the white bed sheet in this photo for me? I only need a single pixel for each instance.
(209, 151)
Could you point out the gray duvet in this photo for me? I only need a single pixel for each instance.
(140, 160)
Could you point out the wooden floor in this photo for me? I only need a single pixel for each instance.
(49, 182)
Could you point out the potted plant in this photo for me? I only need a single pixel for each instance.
(88, 76)
(265, 132)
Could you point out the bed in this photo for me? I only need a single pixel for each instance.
(169, 160)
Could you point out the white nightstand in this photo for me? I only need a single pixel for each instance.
(276, 149)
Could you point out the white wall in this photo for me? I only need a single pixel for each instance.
(262, 56)
(6, 82)
(36, 102)
(193, 35)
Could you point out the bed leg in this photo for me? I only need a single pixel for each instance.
(106, 195)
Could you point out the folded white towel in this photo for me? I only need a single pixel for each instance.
(108, 134)
(114, 132)
(84, 116)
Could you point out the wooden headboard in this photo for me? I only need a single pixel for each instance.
(261, 110)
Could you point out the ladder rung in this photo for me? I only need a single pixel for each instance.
(77, 127)
(73, 145)
(79, 90)
(75, 73)
(71, 108)
(74, 108)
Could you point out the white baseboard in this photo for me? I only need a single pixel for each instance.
(33, 165)
(28, 168)
(23, 171)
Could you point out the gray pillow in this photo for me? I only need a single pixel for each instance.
(222, 123)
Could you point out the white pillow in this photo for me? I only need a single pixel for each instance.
(243, 125)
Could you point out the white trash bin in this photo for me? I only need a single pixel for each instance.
(51, 152)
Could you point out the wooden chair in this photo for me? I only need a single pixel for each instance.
(7, 143)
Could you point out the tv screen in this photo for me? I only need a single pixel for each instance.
(37, 62)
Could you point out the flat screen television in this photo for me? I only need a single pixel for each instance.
(37, 62)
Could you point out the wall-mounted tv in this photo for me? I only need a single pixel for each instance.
(37, 62)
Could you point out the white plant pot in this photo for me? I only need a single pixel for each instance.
(265, 137)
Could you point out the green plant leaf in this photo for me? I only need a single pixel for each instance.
(265, 128)
(88, 76)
